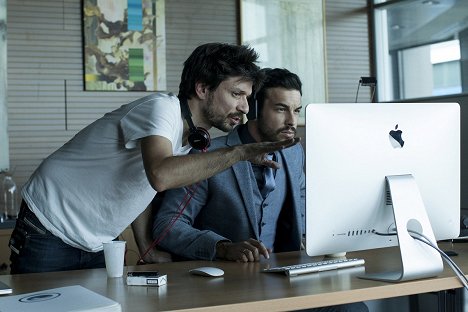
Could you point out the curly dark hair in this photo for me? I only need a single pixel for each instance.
(276, 78)
(213, 63)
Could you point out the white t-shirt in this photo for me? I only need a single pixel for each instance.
(94, 186)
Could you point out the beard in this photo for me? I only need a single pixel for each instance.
(218, 121)
(268, 134)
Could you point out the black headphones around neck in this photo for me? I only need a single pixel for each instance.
(199, 138)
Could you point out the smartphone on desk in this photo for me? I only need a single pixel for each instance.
(143, 273)
(146, 278)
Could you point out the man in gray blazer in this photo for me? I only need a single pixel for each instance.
(232, 215)
(238, 214)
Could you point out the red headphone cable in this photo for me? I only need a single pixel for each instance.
(180, 210)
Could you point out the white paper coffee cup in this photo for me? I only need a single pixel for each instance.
(114, 254)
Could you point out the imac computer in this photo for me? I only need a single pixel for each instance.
(379, 173)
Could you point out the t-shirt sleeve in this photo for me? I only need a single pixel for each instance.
(156, 116)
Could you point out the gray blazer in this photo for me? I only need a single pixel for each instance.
(222, 208)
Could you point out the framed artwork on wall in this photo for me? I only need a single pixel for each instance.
(289, 34)
(124, 45)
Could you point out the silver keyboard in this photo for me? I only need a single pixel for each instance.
(313, 267)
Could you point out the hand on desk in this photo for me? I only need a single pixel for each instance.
(246, 251)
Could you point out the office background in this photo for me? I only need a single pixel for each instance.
(46, 100)
(42, 86)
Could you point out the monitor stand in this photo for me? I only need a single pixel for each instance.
(418, 260)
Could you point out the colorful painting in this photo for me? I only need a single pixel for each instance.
(124, 45)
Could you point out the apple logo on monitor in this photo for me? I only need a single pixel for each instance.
(395, 138)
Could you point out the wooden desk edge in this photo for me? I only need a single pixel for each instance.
(389, 290)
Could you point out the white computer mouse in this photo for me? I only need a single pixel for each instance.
(207, 271)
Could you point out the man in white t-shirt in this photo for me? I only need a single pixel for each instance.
(98, 183)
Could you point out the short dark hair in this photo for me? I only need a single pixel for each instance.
(213, 63)
(276, 78)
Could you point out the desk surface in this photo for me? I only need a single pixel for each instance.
(244, 288)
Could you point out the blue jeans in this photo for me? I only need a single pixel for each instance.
(35, 249)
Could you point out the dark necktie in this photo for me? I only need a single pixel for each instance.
(268, 178)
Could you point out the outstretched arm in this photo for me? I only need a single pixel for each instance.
(166, 171)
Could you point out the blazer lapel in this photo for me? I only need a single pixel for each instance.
(242, 172)
(295, 194)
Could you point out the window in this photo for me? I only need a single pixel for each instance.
(289, 34)
(421, 48)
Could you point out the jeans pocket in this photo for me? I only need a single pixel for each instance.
(17, 239)
(34, 252)
(26, 227)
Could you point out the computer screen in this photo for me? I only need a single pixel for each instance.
(355, 152)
